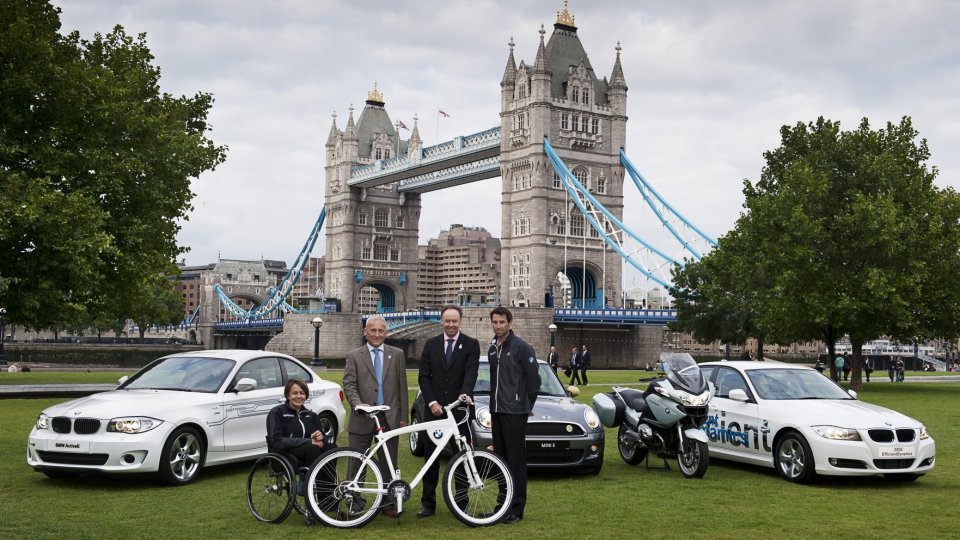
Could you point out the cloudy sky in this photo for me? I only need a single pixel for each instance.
(710, 84)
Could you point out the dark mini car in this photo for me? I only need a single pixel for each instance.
(562, 433)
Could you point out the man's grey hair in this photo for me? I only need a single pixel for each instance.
(377, 317)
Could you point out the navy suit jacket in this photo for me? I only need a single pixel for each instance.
(444, 384)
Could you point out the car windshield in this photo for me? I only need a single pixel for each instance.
(549, 383)
(681, 368)
(794, 384)
(185, 374)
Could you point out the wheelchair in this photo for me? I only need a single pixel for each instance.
(276, 487)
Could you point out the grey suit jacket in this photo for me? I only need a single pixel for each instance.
(360, 386)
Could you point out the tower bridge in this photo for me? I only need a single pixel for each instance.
(558, 150)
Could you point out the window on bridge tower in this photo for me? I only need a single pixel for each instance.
(381, 218)
(394, 254)
(564, 122)
(575, 94)
(581, 176)
(362, 218)
(586, 96)
(596, 126)
(576, 123)
(601, 185)
(365, 252)
(576, 223)
(379, 252)
(556, 181)
(399, 221)
(386, 153)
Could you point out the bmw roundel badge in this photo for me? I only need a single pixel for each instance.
(438, 434)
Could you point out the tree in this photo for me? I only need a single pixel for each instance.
(96, 165)
(157, 302)
(854, 236)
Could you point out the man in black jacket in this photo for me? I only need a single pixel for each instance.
(448, 370)
(514, 384)
(584, 364)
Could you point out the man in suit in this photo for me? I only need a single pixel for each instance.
(553, 359)
(375, 374)
(449, 365)
(584, 364)
(574, 365)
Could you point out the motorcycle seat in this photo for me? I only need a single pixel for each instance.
(634, 399)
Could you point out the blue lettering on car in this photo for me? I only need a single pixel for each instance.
(719, 431)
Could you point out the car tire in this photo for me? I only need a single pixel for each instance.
(416, 440)
(634, 455)
(328, 426)
(794, 460)
(182, 457)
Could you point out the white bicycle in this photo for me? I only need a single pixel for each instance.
(347, 488)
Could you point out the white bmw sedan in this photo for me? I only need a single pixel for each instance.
(801, 423)
(177, 415)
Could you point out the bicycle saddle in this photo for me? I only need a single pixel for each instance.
(372, 409)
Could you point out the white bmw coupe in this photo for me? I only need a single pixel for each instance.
(177, 415)
(798, 421)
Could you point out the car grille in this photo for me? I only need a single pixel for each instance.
(81, 426)
(887, 435)
(68, 458)
(554, 456)
(893, 463)
(547, 429)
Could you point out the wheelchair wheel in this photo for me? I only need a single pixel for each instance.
(333, 496)
(271, 489)
(483, 504)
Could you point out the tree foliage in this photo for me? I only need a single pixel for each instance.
(95, 166)
(849, 235)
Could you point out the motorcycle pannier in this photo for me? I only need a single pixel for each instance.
(609, 408)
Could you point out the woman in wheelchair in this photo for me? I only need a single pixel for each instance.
(295, 429)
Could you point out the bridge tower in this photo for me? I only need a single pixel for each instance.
(543, 232)
(371, 233)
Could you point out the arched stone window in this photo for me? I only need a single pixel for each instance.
(381, 218)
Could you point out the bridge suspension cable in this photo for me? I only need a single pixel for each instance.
(599, 217)
(644, 187)
(276, 295)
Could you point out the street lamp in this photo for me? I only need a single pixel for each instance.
(553, 332)
(317, 323)
(3, 336)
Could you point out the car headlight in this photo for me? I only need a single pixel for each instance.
(923, 432)
(133, 424)
(837, 433)
(484, 418)
(43, 421)
(591, 418)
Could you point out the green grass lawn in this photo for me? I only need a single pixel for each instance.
(731, 501)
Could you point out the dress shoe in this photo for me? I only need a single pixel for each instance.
(426, 511)
(512, 518)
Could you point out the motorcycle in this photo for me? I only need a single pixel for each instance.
(665, 419)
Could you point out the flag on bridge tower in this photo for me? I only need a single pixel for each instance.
(443, 114)
(402, 125)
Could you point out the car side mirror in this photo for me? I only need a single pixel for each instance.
(245, 384)
(573, 391)
(853, 393)
(737, 394)
(123, 379)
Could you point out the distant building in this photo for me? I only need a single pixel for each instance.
(460, 266)
(245, 282)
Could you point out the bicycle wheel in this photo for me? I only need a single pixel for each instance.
(270, 489)
(485, 504)
(336, 498)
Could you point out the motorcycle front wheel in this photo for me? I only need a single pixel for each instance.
(693, 462)
(631, 452)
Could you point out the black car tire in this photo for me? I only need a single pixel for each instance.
(416, 441)
(633, 456)
(328, 425)
(794, 460)
(182, 457)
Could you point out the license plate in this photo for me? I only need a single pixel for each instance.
(544, 446)
(68, 446)
(897, 452)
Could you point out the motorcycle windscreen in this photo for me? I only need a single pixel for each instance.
(682, 370)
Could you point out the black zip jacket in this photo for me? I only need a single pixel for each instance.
(514, 376)
(288, 429)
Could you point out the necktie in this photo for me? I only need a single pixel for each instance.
(449, 352)
(378, 371)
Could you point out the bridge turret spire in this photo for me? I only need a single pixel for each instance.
(415, 141)
(334, 132)
(540, 63)
(351, 131)
(617, 88)
(510, 71)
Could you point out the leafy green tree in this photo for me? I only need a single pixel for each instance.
(95, 164)
(157, 302)
(854, 236)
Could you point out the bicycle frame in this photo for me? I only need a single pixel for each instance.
(446, 426)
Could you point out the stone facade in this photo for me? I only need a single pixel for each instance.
(543, 232)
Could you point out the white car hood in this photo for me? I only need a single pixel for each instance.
(850, 413)
(106, 405)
